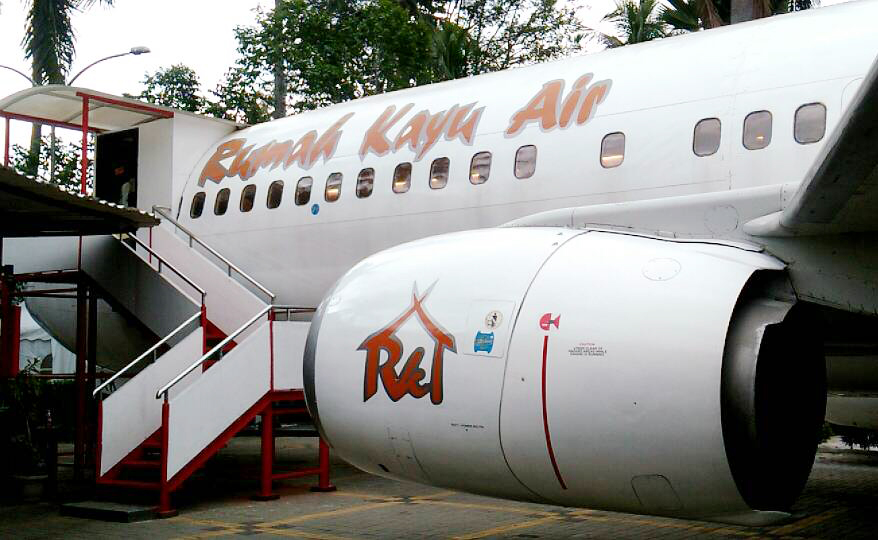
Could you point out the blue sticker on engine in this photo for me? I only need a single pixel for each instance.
(484, 342)
(315, 208)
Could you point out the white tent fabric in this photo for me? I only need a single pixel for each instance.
(37, 343)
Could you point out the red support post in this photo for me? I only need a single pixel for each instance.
(267, 448)
(271, 348)
(323, 483)
(10, 333)
(6, 148)
(84, 143)
(165, 510)
(81, 352)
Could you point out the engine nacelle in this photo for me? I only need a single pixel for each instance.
(582, 368)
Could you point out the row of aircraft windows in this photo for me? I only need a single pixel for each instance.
(809, 126)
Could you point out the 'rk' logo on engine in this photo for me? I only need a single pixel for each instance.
(411, 379)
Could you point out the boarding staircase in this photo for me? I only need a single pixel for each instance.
(234, 356)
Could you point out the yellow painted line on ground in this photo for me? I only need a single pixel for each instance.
(212, 534)
(437, 495)
(299, 534)
(807, 522)
(393, 498)
(508, 528)
(329, 513)
(493, 508)
(198, 521)
(366, 496)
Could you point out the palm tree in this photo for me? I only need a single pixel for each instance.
(49, 42)
(637, 21)
(694, 15)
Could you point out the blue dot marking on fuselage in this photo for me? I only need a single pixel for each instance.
(315, 208)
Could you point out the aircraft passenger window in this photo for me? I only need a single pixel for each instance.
(275, 194)
(525, 161)
(197, 205)
(439, 172)
(757, 130)
(365, 183)
(402, 178)
(613, 150)
(480, 168)
(247, 196)
(303, 190)
(222, 202)
(810, 124)
(333, 187)
(705, 141)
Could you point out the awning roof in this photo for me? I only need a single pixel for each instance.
(33, 208)
(62, 106)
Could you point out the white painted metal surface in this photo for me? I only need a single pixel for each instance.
(229, 304)
(457, 442)
(201, 412)
(743, 68)
(634, 330)
(632, 375)
(131, 414)
(289, 346)
(153, 298)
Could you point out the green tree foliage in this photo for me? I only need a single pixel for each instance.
(49, 43)
(177, 86)
(334, 51)
(242, 96)
(67, 163)
(510, 33)
(694, 15)
(636, 21)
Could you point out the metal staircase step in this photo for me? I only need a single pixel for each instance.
(130, 484)
(142, 464)
(108, 511)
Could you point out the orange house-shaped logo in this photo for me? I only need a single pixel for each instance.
(411, 379)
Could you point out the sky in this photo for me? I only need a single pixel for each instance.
(197, 33)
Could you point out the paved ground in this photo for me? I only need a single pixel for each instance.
(841, 500)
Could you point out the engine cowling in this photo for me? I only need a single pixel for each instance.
(582, 368)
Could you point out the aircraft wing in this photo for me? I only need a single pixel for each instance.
(840, 192)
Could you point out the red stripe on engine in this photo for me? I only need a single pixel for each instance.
(546, 418)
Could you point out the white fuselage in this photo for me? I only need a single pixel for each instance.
(654, 93)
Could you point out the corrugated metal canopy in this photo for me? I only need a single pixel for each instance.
(62, 106)
(33, 208)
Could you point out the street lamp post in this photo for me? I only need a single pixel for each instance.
(136, 51)
(31, 81)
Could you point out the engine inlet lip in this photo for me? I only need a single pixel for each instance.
(769, 462)
(309, 363)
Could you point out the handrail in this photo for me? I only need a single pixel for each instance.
(151, 350)
(164, 389)
(164, 211)
(289, 310)
(162, 261)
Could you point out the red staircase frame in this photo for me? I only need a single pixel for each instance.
(264, 407)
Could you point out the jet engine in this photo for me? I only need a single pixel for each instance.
(579, 367)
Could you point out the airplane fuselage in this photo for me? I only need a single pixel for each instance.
(654, 94)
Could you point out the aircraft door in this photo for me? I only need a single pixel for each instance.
(116, 167)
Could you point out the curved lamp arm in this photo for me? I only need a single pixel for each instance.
(31, 81)
(134, 50)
